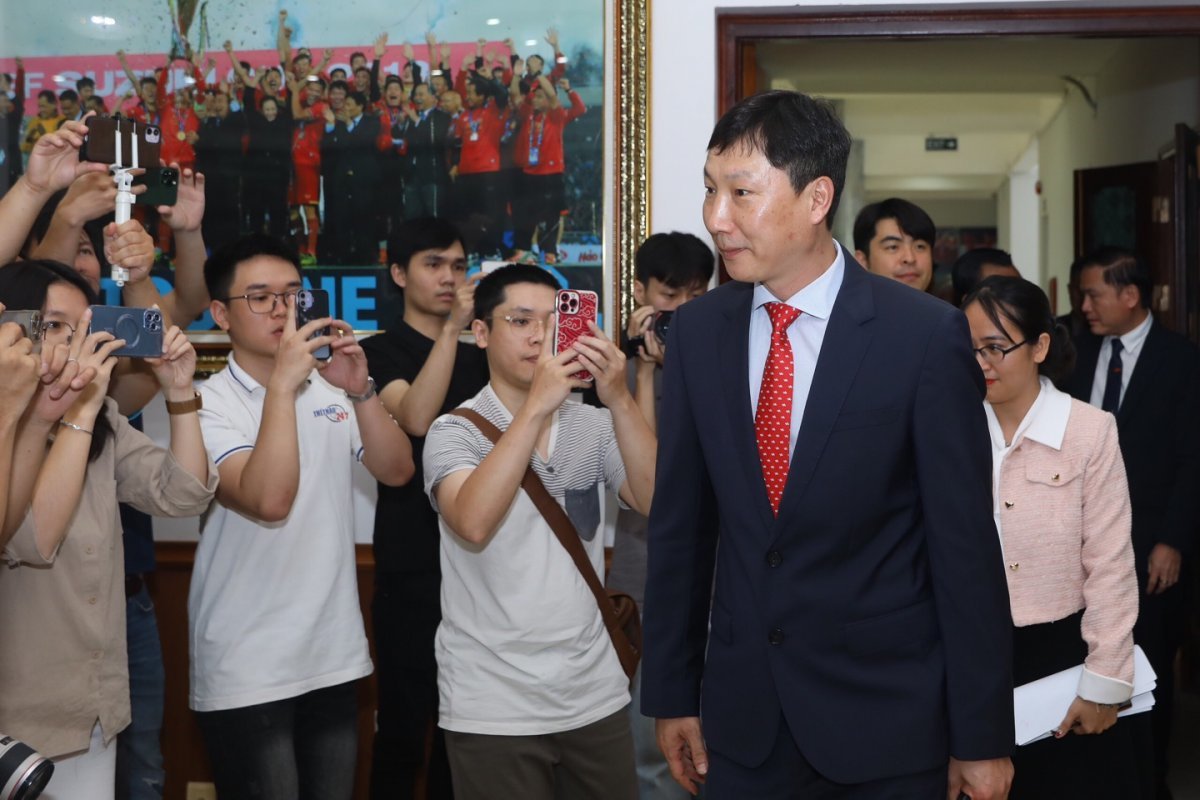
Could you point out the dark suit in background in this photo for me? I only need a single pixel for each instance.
(871, 616)
(351, 182)
(427, 176)
(219, 157)
(1158, 422)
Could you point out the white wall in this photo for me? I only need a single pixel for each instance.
(683, 93)
(1145, 89)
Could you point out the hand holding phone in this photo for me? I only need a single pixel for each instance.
(575, 309)
(314, 304)
(141, 328)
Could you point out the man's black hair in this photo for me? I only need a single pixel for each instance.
(48, 94)
(358, 97)
(84, 81)
(417, 235)
(797, 133)
(358, 54)
(964, 275)
(245, 65)
(147, 79)
(363, 69)
(68, 94)
(340, 84)
(911, 218)
(24, 285)
(390, 79)
(678, 260)
(221, 265)
(1121, 268)
(492, 290)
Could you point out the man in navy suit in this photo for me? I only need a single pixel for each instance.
(1148, 376)
(856, 640)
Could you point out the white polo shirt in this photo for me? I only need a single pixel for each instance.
(521, 649)
(273, 610)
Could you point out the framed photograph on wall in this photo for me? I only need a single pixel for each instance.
(591, 54)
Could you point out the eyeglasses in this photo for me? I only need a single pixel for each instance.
(522, 323)
(57, 332)
(994, 353)
(263, 302)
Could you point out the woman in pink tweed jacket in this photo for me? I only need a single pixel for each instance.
(1063, 515)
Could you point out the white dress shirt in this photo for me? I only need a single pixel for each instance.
(1131, 348)
(806, 334)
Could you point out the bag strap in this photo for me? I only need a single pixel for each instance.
(565, 531)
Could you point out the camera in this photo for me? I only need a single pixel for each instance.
(24, 772)
(662, 324)
(141, 328)
(30, 323)
(568, 302)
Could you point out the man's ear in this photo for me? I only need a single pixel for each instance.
(399, 276)
(821, 192)
(1131, 296)
(220, 314)
(481, 331)
(639, 292)
(861, 258)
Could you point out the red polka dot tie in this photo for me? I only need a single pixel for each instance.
(773, 417)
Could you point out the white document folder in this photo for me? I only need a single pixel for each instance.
(1039, 706)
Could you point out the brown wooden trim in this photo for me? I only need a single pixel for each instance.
(735, 29)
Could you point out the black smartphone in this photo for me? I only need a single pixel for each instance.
(100, 144)
(162, 186)
(314, 304)
(141, 328)
(30, 323)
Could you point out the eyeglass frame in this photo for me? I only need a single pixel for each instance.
(48, 322)
(276, 297)
(510, 319)
(995, 348)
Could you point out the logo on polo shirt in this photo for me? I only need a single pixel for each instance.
(334, 413)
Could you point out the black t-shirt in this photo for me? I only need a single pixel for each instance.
(406, 527)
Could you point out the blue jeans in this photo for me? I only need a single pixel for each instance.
(140, 772)
(302, 747)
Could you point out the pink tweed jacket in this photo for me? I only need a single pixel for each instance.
(1063, 507)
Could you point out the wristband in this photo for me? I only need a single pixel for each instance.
(365, 396)
(175, 407)
(74, 427)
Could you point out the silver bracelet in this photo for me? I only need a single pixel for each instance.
(74, 427)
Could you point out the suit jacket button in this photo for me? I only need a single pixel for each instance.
(774, 558)
(775, 636)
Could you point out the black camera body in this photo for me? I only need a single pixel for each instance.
(141, 328)
(662, 324)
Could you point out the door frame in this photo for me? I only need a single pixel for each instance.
(738, 30)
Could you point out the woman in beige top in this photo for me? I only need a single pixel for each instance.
(64, 685)
(1061, 504)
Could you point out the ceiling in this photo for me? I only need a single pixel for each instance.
(994, 94)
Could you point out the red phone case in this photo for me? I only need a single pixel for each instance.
(574, 308)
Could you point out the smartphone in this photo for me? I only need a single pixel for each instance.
(141, 328)
(30, 323)
(575, 309)
(100, 144)
(314, 304)
(162, 186)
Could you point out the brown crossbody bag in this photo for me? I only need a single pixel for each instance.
(618, 610)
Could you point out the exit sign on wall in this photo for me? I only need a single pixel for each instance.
(935, 143)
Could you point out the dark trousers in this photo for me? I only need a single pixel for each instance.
(1159, 631)
(265, 203)
(594, 762)
(222, 221)
(480, 211)
(302, 747)
(787, 775)
(405, 614)
(541, 201)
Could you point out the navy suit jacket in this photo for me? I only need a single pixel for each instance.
(872, 613)
(1160, 437)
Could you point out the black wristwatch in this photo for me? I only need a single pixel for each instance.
(367, 395)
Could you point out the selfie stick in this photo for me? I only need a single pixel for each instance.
(123, 177)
